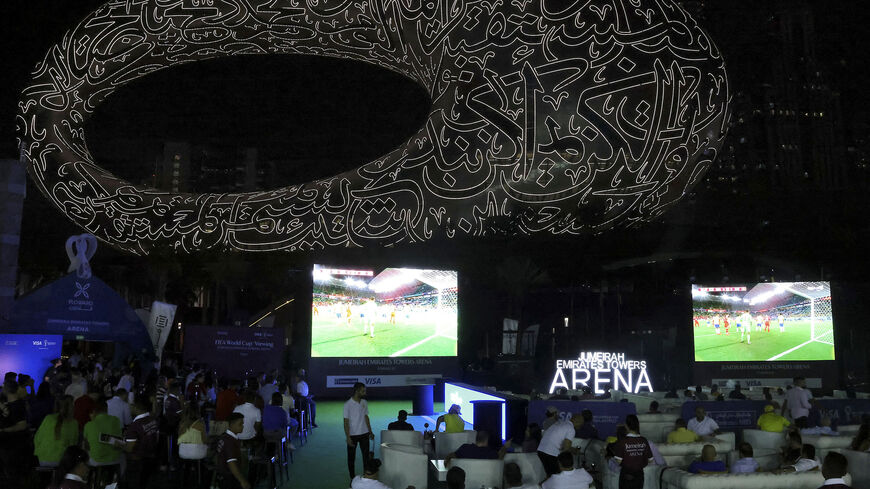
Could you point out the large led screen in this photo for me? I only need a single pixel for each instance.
(785, 321)
(390, 312)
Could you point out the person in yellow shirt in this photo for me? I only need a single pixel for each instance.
(772, 422)
(453, 423)
(682, 434)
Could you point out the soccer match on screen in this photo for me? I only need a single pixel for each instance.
(763, 322)
(393, 312)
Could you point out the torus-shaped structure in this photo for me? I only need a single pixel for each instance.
(557, 117)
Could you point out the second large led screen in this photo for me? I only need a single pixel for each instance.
(787, 321)
(390, 312)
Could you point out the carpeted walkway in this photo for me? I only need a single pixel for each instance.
(322, 462)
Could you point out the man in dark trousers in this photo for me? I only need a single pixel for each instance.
(141, 439)
(357, 427)
(632, 453)
(228, 455)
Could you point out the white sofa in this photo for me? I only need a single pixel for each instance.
(764, 439)
(682, 454)
(655, 427)
(530, 465)
(768, 458)
(859, 467)
(479, 473)
(849, 430)
(680, 479)
(403, 466)
(402, 437)
(446, 443)
(651, 477)
(593, 455)
(825, 444)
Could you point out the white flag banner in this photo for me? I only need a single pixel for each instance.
(159, 325)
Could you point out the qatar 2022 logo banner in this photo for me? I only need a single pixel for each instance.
(557, 118)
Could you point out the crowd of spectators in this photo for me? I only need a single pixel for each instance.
(87, 414)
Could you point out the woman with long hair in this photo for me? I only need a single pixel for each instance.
(72, 470)
(191, 429)
(58, 431)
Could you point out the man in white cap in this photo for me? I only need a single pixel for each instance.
(552, 415)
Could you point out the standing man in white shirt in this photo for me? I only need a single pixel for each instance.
(126, 381)
(118, 407)
(557, 439)
(797, 400)
(702, 424)
(357, 427)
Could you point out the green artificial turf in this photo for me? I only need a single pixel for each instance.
(710, 347)
(322, 462)
(332, 337)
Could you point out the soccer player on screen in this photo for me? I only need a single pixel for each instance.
(695, 321)
(747, 327)
(781, 319)
(349, 315)
(393, 317)
(767, 324)
(726, 324)
(716, 324)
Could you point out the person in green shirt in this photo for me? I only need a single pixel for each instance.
(101, 422)
(57, 432)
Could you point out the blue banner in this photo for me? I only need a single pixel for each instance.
(844, 411)
(29, 354)
(605, 415)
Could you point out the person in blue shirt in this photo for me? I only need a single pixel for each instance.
(275, 418)
(708, 463)
(480, 449)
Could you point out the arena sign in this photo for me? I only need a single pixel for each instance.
(549, 118)
(598, 370)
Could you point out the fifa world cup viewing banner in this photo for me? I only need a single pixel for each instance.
(605, 415)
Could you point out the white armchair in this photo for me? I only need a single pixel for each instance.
(402, 437)
(403, 466)
(655, 427)
(480, 473)
(764, 439)
(682, 454)
(530, 465)
(446, 443)
(768, 458)
(680, 479)
(825, 444)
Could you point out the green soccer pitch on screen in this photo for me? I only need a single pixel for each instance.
(775, 321)
(389, 312)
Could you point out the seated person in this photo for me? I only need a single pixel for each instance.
(100, 423)
(369, 479)
(688, 395)
(72, 469)
(833, 470)
(702, 424)
(401, 423)
(654, 408)
(746, 464)
(672, 394)
(772, 422)
(806, 461)
(276, 420)
(569, 477)
(861, 442)
(480, 449)
(228, 455)
(453, 423)
(455, 478)
(588, 431)
(708, 463)
(681, 434)
(737, 393)
(513, 478)
(532, 439)
(824, 429)
(699, 394)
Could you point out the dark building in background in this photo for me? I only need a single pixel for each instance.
(212, 169)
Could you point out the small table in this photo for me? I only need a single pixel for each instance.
(439, 468)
